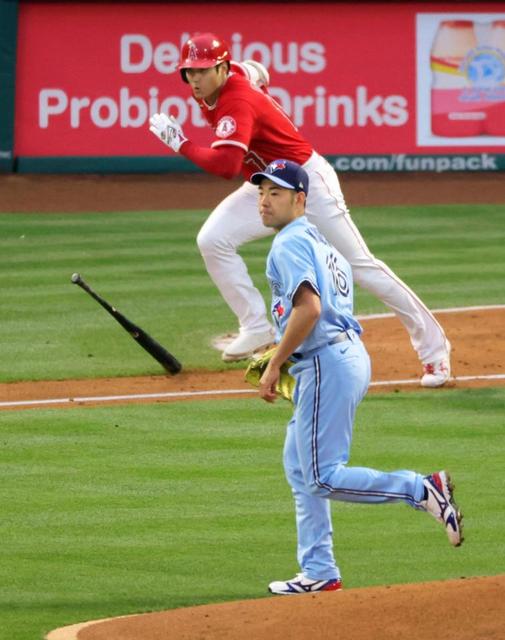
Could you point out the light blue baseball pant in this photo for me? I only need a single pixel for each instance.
(330, 384)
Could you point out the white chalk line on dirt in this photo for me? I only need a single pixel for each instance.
(223, 392)
(210, 392)
(71, 632)
(489, 307)
(131, 396)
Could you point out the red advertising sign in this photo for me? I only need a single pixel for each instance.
(355, 78)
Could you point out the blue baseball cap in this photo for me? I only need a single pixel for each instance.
(285, 173)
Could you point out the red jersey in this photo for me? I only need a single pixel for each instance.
(245, 117)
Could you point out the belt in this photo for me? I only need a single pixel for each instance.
(349, 334)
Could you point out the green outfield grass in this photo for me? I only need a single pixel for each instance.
(115, 510)
(112, 510)
(148, 266)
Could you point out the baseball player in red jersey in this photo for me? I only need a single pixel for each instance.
(251, 130)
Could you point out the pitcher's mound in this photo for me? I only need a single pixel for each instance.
(466, 609)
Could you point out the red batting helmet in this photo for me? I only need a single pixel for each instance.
(203, 51)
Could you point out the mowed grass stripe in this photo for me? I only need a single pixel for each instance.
(147, 264)
(115, 510)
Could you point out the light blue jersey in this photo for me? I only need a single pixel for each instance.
(332, 376)
(300, 254)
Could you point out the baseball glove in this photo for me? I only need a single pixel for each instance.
(285, 386)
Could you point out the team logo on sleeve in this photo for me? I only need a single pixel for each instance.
(278, 311)
(226, 127)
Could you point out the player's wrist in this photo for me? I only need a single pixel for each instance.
(276, 362)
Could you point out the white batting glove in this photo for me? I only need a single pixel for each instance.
(168, 130)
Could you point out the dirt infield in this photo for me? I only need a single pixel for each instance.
(76, 193)
(467, 609)
(395, 368)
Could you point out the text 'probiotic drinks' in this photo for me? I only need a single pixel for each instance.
(468, 71)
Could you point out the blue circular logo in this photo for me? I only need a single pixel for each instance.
(485, 67)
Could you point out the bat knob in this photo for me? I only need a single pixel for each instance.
(75, 278)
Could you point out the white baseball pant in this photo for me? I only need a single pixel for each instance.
(236, 221)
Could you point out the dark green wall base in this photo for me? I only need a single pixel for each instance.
(8, 40)
(356, 164)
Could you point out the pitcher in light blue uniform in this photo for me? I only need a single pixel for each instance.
(312, 307)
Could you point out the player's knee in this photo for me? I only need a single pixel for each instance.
(326, 480)
(314, 488)
(211, 244)
(293, 475)
(207, 241)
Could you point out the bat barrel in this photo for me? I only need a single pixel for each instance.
(156, 350)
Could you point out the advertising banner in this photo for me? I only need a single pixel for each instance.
(462, 101)
(389, 82)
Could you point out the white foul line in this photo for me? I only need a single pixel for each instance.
(222, 392)
(215, 392)
(375, 316)
(132, 396)
(383, 383)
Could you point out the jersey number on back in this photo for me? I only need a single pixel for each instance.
(340, 282)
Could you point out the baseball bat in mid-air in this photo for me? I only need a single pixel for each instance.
(159, 353)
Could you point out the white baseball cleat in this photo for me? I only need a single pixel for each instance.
(247, 344)
(301, 584)
(435, 374)
(439, 502)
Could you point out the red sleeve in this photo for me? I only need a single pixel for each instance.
(226, 161)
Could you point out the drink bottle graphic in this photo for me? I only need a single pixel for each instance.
(452, 114)
(497, 37)
(495, 80)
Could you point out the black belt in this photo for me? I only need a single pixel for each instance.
(340, 337)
